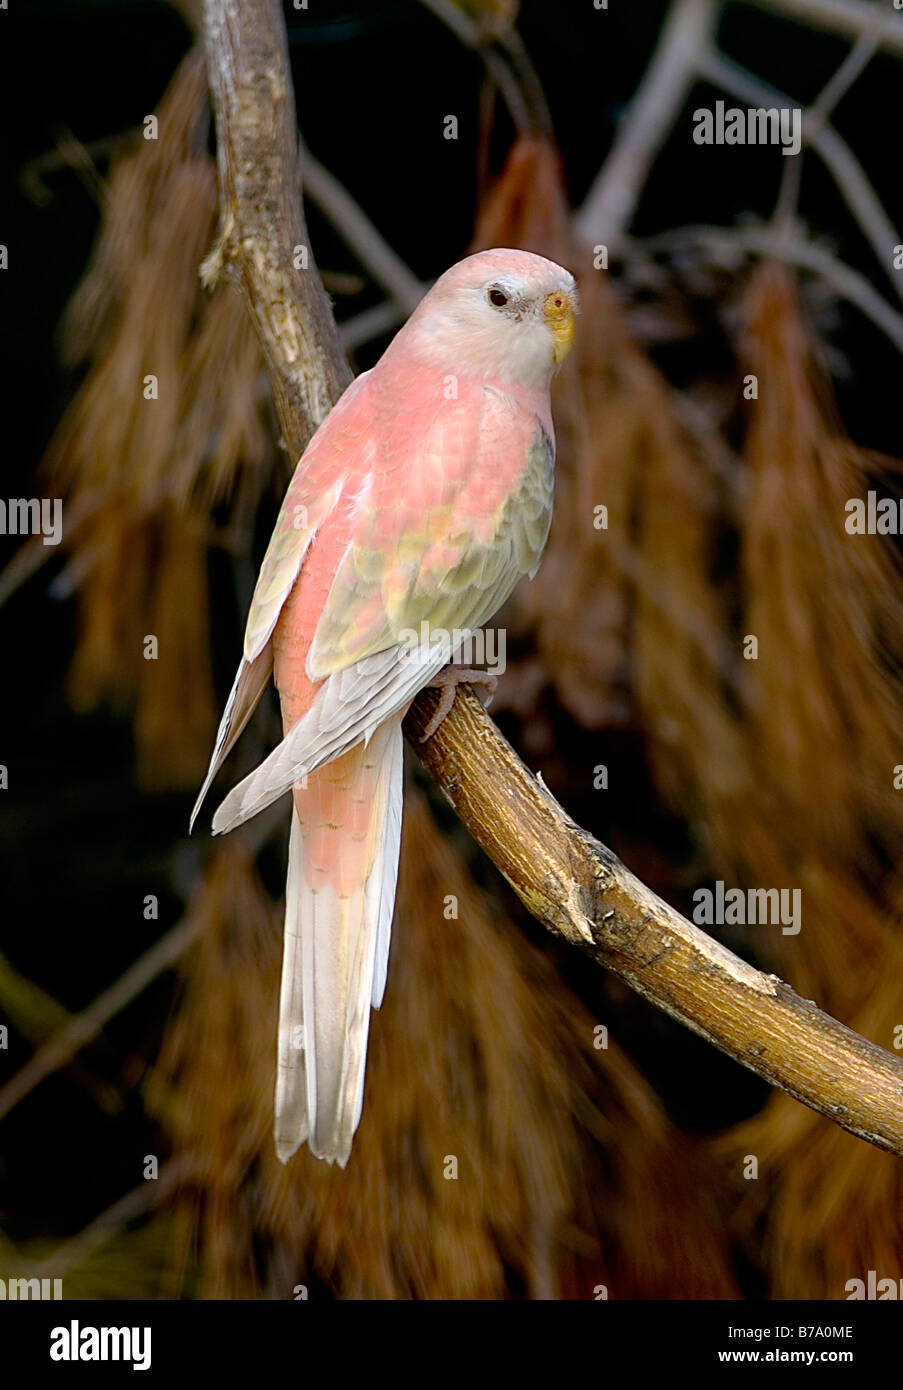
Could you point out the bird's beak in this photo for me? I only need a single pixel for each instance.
(559, 315)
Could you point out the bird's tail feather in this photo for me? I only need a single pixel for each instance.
(340, 894)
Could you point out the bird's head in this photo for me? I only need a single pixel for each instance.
(506, 314)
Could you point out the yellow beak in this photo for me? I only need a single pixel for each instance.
(559, 314)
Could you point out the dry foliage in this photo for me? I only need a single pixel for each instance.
(139, 472)
(481, 1064)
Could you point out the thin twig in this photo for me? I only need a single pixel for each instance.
(370, 324)
(84, 1027)
(69, 153)
(609, 206)
(848, 17)
(848, 174)
(469, 33)
(686, 52)
(850, 70)
(356, 229)
(514, 46)
(760, 241)
(145, 1197)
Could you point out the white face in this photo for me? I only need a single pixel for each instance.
(508, 325)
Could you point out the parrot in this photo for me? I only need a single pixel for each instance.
(420, 501)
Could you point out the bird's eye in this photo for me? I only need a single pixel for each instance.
(498, 298)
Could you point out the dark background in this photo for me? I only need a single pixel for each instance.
(79, 844)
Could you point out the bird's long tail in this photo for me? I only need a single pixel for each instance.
(340, 895)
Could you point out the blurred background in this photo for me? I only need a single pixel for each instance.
(734, 383)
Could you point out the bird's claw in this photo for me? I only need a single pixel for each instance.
(447, 680)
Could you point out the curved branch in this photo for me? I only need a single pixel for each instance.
(849, 17)
(472, 35)
(581, 892)
(261, 216)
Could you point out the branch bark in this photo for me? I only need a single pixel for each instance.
(261, 216)
(582, 893)
(570, 882)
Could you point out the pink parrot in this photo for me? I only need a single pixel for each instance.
(423, 498)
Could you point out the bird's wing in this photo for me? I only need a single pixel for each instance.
(442, 542)
(312, 496)
(333, 454)
(468, 517)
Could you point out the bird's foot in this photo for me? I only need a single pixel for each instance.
(447, 680)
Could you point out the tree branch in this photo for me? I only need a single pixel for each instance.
(572, 884)
(261, 216)
(476, 37)
(849, 17)
(582, 893)
(685, 53)
(611, 201)
(819, 135)
(147, 1196)
(764, 241)
(83, 1028)
(356, 229)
